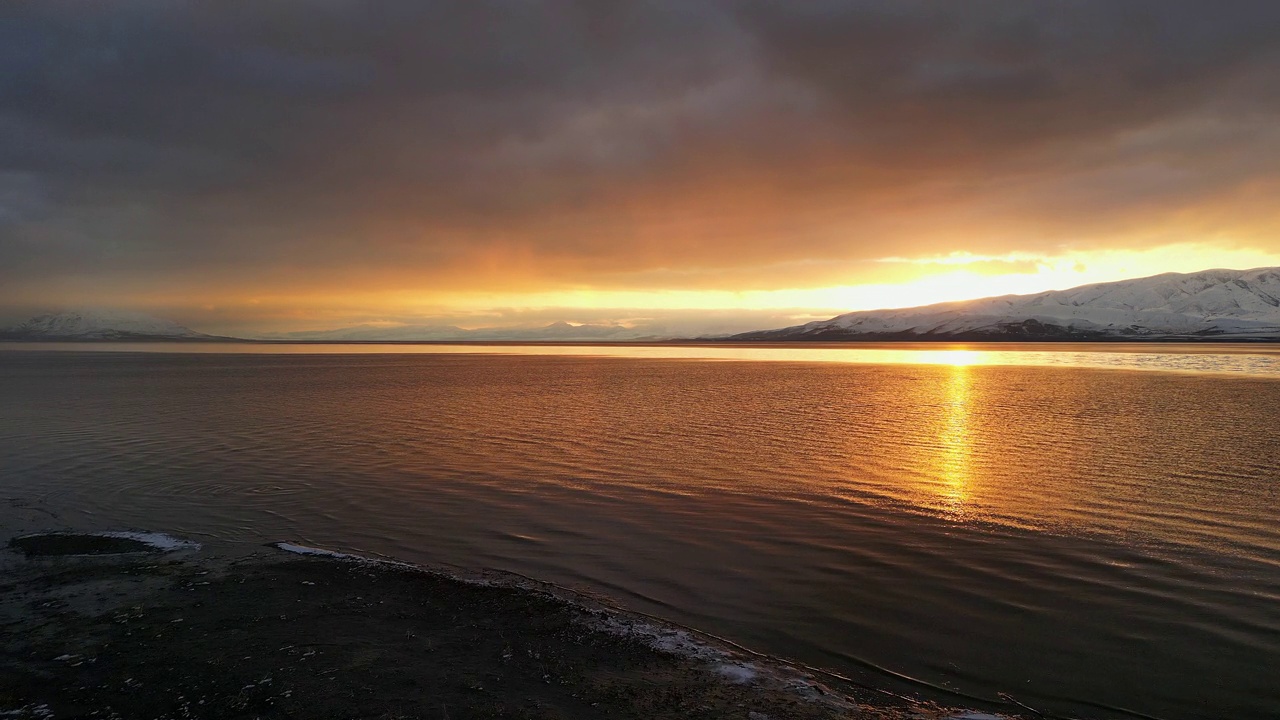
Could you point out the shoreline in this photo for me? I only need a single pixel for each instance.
(1124, 344)
(188, 632)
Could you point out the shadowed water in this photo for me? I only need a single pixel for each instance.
(1070, 536)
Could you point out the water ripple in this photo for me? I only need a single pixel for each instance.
(1065, 533)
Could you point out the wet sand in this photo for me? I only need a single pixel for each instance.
(122, 631)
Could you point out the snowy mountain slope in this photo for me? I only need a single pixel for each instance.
(373, 333)
(100, 325)
(1214, 304)
(560, 331)
(566, 332)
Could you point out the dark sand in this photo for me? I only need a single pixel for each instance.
(269, 634)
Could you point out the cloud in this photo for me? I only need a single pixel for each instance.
(148, 146)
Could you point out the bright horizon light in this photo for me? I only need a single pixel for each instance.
(952, 285)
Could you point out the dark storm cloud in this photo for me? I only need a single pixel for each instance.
(282, 114)
(997, 76)
(571, 141)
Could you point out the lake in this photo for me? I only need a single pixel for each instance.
(1089, 529)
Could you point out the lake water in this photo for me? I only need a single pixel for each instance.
(1079, 527)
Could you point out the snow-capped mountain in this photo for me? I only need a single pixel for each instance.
(100, 325)
(1214, 304)
(567, 332)
(372, 333)
(559, 331)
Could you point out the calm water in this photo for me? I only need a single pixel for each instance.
(1017, 522)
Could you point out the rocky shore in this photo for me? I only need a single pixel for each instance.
(135, 626)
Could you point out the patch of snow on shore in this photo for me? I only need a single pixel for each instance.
(737, 674)
(677, 642)
(684, 643)
(733, 667)
(159, 541)
(297, 549)
(154, 540)
(307, 550)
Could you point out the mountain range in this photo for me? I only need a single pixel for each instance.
(1208, 305)
(101, 325)
(555, 332)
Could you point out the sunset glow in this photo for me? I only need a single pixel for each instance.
(417, 165)
(958, 276)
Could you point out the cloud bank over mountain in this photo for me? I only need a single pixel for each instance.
(252, 163)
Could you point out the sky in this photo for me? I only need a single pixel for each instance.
(693, 165)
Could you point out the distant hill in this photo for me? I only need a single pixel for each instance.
(90, 325)
(559, 331)
(1210, 305)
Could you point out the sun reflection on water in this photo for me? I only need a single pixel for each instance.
(955, 440)
(954, 358)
